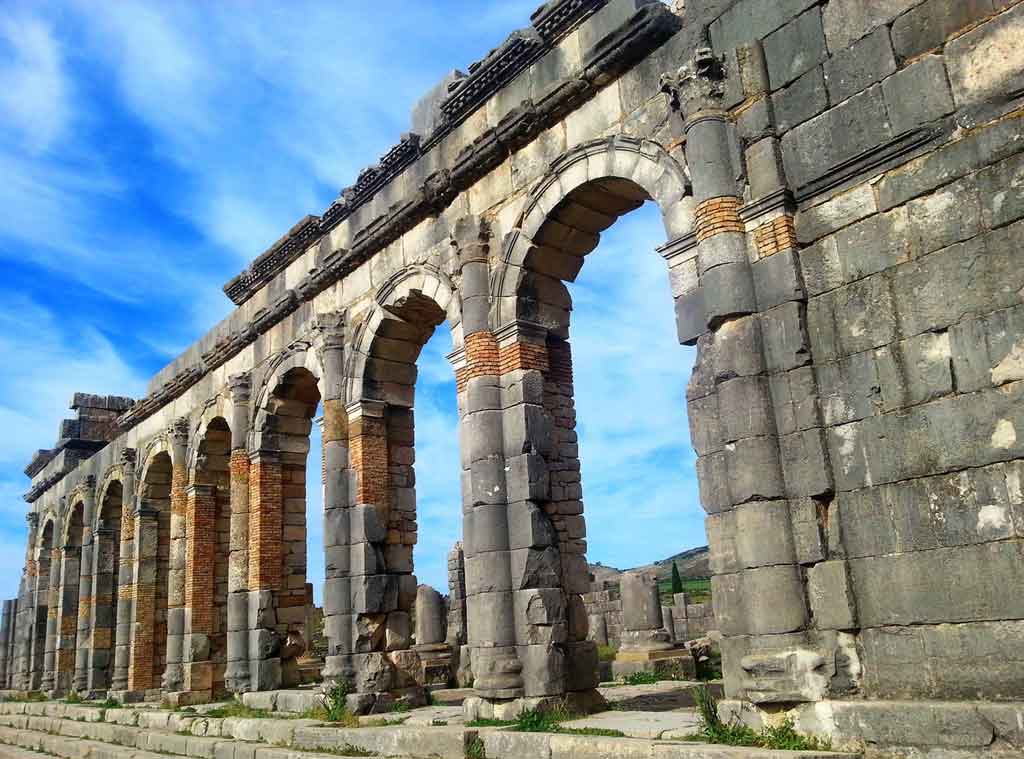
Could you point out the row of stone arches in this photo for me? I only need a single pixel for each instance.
(211, 567)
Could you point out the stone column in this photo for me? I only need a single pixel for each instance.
(103, 612)
(6, 632)
(26, 609)
(338, 549)
(173, 679)
(67, 618)
(265, 541)
(49, 676)
(642, 617)
(86, 599)
(237, 673)
(141, 674)
(729, 310)
(490, 605)
(201, 530)
(374, 593)
(124, 582)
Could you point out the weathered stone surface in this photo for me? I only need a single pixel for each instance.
(864, 63)
(918, 94)
(801, 101)
(795, 48)
(982, 63)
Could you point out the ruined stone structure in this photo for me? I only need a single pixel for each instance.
(684, 620)
(840, 183)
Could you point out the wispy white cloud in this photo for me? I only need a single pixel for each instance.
(33, 87)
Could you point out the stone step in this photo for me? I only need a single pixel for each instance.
(147, 733)
(148, 730)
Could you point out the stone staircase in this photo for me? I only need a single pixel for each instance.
(74, 731)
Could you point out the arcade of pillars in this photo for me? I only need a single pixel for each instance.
(844, 253)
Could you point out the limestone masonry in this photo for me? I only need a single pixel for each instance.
(842, 189)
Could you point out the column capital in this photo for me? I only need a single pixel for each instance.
(697, 87)
(329, 331)
(365, 407)
(521, 331)
(129, 457)
(471, 238)
(240, 387)
(200, 489)
(178, 434)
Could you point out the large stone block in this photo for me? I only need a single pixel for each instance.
(927, 295)
(805, 465)
(778, 280)
(857, 67)
(745, 408)
(800, 101)
(762, 534)
(749, 20)
(832, 603)
(929, 25)
(964, 661)
(988, 351)
(848, 21)
(963, 584)
(795, 48)
(784, 331)
(754, 470)
(847, 130)
(983, 64)
(918, 94)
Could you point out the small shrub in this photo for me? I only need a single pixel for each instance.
(606, 653)
(73, 698)
(476, 750)
(335, 706)
(535, 721)
(400, 707)
(641, 678)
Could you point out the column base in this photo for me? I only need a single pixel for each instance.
(265, 674)
(188, 698)
(576, 702)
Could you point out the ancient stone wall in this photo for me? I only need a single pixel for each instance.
(839, 186)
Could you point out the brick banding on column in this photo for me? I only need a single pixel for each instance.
(265, 523)
(717, 216)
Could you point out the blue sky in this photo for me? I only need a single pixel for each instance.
(150, 150)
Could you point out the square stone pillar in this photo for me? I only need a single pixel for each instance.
(201, 529)
(141, 673)
(49, 673)
(86, 605)
(125, 578)
(6, 632)
(265, 566)
(67, 618)
(103, 608)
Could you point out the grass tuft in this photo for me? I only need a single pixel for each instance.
(640, 678)
(782, 737)
(476, 750)
(235, 708)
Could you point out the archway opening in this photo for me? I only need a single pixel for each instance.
(292, 406)
(616, 392)
(44, 558)
(70, 585)
(152, 545)
(108, 569)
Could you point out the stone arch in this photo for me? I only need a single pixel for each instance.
(107, 613)
(300, 355)
(208, 544)
(381, 375)
(152, 569)
(216, 410)
(286, 407)
(586, 190)
(43, 554)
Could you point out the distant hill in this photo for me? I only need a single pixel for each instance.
(693, 563)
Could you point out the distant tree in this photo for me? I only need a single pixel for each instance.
(677, 581)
